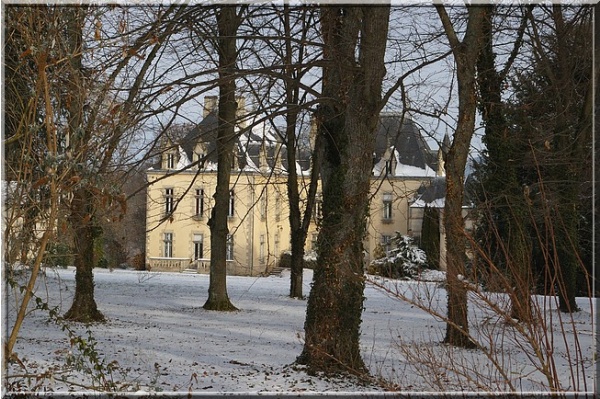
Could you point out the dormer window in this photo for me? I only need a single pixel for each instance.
(388, 167)
(170, 160)
(199, 158)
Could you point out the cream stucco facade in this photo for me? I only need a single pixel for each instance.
(258, 223)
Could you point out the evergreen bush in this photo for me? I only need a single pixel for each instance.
(405, 260)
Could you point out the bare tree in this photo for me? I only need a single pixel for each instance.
(88, 124)
(228, 21)
(354, 46)
(466, 53)
(93, 80)
(299, 223)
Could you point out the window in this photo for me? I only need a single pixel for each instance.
(261, 252)
(318, 209)
(199, 202)
(388, 167)
(386, 243)
(263, 206)
(198, 246)
(231, 209)
(170, 160)
(168, 245)
(200, 159)
(169, 201)
(229, 247)
(276, 245)
(313, 241)
(387, 206)
(278, 208)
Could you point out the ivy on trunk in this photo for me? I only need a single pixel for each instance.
(346, 120)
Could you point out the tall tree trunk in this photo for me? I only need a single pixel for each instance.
(465, 54)
(228, 22)
(83, 204)
(501, 184)
(346, 120)
(299, 224)
(81, 218)
(570, 139)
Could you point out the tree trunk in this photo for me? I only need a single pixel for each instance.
(430, 236)
(228, 23)
(501, 184)
(299, 224)
(298, 233)
(346, 120)
(84, 308)
(465, 54)
(83, 205)
(298, 240)
(568, 142)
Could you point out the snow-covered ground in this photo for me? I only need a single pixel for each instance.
(159, 339)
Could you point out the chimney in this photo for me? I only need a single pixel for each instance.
(210, 105)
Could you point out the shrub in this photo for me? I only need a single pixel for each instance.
(310, 260)
(138, 262)
(405, 260)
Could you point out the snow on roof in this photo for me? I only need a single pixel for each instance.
(409, 170)
(250, 165)
(401, 169)
(184, 161)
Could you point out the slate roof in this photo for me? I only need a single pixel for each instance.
(405, 137)
(433, 194)
(205, 131)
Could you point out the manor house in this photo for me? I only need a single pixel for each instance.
(183, 181)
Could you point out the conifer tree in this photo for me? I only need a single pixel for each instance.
(430, 236)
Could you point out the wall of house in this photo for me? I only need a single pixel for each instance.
(259, 225)
(380, 223)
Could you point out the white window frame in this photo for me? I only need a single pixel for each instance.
(318, 214)
(198, 240)
(168, 244)
(388, 203)
(170, 160)
(229, 248)
(388, 167)
(169, 200)
(231, 205)
(199, 202)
